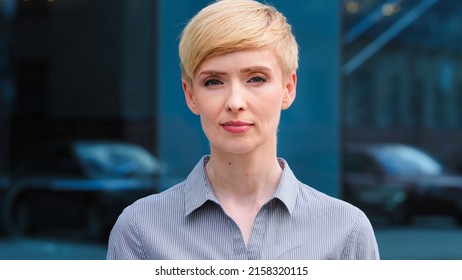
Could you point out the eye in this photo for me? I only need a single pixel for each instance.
(212, 82)
(257, 79)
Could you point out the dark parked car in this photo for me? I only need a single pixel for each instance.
(399, 182)
(78, 188)
(454, 162)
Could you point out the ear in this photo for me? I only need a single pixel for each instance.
(290, 90)
(189, 96)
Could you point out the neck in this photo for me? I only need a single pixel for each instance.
(243, 183)
(247, 178)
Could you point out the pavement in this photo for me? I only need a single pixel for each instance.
(43, 249)
(432, 238)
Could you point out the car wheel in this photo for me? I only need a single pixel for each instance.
(16, 210)
(18, 217)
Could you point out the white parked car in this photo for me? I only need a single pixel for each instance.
(78, 188)
(399, 182)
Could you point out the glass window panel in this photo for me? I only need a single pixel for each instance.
(405, 55)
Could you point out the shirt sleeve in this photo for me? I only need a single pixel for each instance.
(361, 244)
(124, 242)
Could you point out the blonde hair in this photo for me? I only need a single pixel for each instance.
(232, 25)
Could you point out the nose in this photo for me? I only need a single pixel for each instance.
(236, 99)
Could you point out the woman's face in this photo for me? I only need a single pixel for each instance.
(239, 97)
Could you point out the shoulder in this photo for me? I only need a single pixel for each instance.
(151, 208)
(158, 209)
(348, 222)
(310, 197)
(330, 209)
(310, 202)
(171, 199)
(145, 217)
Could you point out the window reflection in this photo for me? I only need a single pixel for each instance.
(78, 120)
(402, 77)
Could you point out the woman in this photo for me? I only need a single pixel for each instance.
(239, 60)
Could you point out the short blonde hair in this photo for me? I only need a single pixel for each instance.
(232, 25)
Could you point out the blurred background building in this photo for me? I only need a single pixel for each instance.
(92, 109)
(402, 73)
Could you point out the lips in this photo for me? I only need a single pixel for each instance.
(236, 127)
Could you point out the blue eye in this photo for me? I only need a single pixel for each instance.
(257, 79)
(212, 82)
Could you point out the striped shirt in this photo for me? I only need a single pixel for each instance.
(187, 222)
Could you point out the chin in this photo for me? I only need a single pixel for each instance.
(234, 149)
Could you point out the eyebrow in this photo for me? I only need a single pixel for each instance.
(242, 70)
(254, 69)
(211, 72)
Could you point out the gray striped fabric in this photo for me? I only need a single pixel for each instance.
(187, 222)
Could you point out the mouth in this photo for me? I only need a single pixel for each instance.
(236, 127)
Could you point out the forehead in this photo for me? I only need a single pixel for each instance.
(241, 60)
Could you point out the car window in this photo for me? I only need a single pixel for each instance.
(402, 160)
(116, 160)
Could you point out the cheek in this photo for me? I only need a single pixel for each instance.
(209, 112)
(269, 114)
(272, 110)
(272, 103)
(210, 105)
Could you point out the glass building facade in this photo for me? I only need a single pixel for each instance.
(371, 72)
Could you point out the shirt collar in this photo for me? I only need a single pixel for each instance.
(198, 189)
(287, 189)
